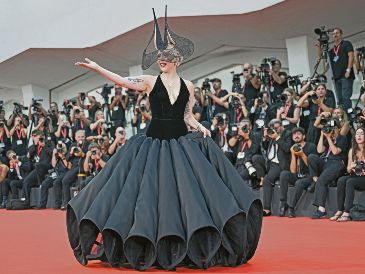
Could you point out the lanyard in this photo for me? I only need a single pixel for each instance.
(319, 110)
(96, 165)
(238, 115)
(2, 139)
(286, 109)
(39, 150)
(63, 132)
(19, 133)
(243, 146)
(99, 130)
(336, 49)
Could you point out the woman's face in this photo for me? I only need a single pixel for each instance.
(166, 66)
(337, 113)
(360, 136)
(321, 91)
(100, 116)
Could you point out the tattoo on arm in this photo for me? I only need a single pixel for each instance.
(135, 80)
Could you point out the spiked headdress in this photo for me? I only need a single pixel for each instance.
(171, 48)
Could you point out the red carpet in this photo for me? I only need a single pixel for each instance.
(36, 242)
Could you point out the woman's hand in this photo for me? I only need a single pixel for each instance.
(88, 64)
(205, 131)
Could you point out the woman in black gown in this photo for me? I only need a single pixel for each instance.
(169, 197)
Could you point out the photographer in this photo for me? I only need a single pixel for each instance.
(36, 111)
(261, 112)
(79, 121)
(318, 102)
(19, 137)
(75, 156)
(252, 85)
(342, 58)
(45, 125)
(5, 142)
(220, 133)
(346, 185)
(340, 115)
(53, 113)
(60, 167)
(119, 141)
(95, 160)
(118, 106)
(19, 168)
(287, 111)
(92, 105)
(244, 147)
(298, 175)
(99, 127)
(277, 142)
(63, 132)
(142, 116)
(40, 153)
(329, 166)
(217, 105)
(18, 112)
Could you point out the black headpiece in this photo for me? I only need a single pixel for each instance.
(172, 48)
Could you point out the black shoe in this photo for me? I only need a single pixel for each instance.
(311, 188)
(63, 207)
(265, 214)
(283, 208)
(318, 214)
(291, 212)
(40, 207)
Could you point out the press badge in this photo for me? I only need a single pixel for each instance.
(19, 142)
(335, 59)
(240, 155)
(2, 145)
(306, 113)
(115, 108)
(285, 122)
(36, 158)
(142, 125)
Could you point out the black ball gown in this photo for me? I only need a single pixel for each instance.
(166, 198)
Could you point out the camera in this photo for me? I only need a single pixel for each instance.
(221, 117)
(235, 102)
(323, 34)
(361, 51)
(82, 96)
(77, 111)
(313, 97)
(251, 170)
(76, 150)
(245, 129)
(297, 147)
(105, 92)
(267, 63)
(355, 114)
(2, 124)
(236, 87)
(60, 148)
(283, 98)
(206, 84)
(36, 104)
(294, 81)
(271, 131)
(359, 168)
(329, 124)
(18, 108)
(94, 152)
(1, 104)
(142, 108)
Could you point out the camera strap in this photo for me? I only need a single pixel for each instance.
(336, 49)
(18, 133)
(319, 110)
(64, 132)
(39, 150)
(243, 146)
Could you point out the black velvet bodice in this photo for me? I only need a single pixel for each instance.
(167, 119)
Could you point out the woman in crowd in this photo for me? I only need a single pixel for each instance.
(346, 185)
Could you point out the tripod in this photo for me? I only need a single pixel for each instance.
(324, 56)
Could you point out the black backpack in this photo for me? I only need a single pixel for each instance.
(357, 213)
(17, 204)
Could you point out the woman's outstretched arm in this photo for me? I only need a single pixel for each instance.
(140, 83)
(188, 115)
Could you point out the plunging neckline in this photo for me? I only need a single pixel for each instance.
(167, 93)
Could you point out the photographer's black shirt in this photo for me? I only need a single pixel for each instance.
(277, 89)
(94, 166)
(118, 114)
(248, 151)
(250, 92)
(219, 108)
(340, 142)
(309, 148)
(19, 144)
(41, 155)
(92, 110)
(60, 167)
(340, 60)
(315, 110)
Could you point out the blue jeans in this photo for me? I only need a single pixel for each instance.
(344, 92)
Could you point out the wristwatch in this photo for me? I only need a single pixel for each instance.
(348, 70)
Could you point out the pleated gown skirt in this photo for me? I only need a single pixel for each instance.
(166, 203)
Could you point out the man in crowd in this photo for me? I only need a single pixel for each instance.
(342, 59)
(298, 175)
(251, 86)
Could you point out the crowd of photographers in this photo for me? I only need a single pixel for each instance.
(274, 128)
